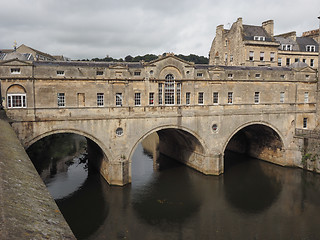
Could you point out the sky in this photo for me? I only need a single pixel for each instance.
(85, 29)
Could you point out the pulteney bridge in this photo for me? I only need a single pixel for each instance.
(198, 111)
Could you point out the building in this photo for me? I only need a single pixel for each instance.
(248, 45)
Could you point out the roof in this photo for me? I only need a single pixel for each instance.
(250, 32)
(303, 42)
(38, 52)
(88, 64)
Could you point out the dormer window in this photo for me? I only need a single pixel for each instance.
(259, 38)
(310, 48)
(15, 71)
(286, 47)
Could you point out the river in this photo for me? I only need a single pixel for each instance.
(251, 200)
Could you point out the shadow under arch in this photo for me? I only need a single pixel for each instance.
(253, 186)
(178, 143)
(16, 88)
(258, 140)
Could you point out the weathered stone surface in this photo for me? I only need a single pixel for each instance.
(27, 210)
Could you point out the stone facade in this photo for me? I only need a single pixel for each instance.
(198, 111)
(248, 45)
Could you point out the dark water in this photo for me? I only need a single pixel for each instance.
(252, 200)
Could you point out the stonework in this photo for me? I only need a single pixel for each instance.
(198, 111)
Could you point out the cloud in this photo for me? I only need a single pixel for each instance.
(94, 28)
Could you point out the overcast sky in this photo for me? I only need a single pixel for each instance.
(95, 28)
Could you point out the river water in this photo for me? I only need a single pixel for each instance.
(251, 200)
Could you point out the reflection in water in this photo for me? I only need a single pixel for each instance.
(248, 187)
(252, 200)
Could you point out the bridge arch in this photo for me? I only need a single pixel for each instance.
(179, 143)
(260, 140)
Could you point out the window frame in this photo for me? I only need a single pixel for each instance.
(188, 98)
(100, 99)
(137, 99)
(230, 98)
(200, 98)
(215, 98)
(61, 99)
(119, 99)
(151, 98)
(12, 100)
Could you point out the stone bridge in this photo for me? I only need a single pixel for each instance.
(198, 111)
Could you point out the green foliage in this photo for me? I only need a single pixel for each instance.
(150, 57)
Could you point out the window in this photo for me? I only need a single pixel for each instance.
(311, 62)
(307, 76)
(226, 57)
(100, 99)
(215, 98)
(137, 99)
(151, 72)
(286, 47)
(231, 58)
(287, 61)
(16, 100)
(305, 122)
(60, 73)
(178, 93)
(226, 43)
(169, 90)
(259, 38)
(256, 97)
(296, 60)
(230, 75)
(230, 97)
(199, 74)
(159, 93)
(151, 98)
(251, 56)
(261, 56)
(281, 97)
(119, 132)
(282, 76)
(99, 73)
(188, 98)
(279, 62)
(15, 70)
(137, 73)
(61, 100)
(258, 75)
(304, 60)
(310, 48)
(272, 56)
(200, 98)
(119, 99)
(306, 97)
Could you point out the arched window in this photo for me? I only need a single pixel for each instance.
(169, 89)
(16, 97)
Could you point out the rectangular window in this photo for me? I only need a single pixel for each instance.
(151, 98)
(272, 56)
(226, 57)
(231, 58)
(262, 56)
(199, 74)
(178, 93)
(15, 70)
(16, 100)
(160, 85)
(61, 100)
(296, 60)
(230, 97)
(99, 73)
(306, 97)
(200, 98)
(230, 75)
(258, 75)
(251, 56)
(60, 73)
(281, 97)
(304, 60)
(279, 62)
(215, 98)
(256, 97)
(187, 98)
(137, 73)
(305, 122)
(119, 99)
(137, 99)
(310, 48)
(311, 62)
(287, 61)
(100, 99)
(286, 47)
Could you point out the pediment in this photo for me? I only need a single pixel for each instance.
(216, 69)
(306, 70)
(171, 59)
(119, 66)
(15, 62)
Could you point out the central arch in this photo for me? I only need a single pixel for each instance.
(258, 140)
(178, 143)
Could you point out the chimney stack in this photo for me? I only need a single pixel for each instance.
(268, 27)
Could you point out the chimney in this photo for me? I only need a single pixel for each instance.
(268, 26)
